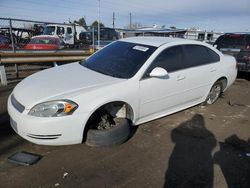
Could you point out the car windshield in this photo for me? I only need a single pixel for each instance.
(49, 30)
(119, 59)
(42, 41)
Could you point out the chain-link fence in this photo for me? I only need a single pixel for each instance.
(17, 34)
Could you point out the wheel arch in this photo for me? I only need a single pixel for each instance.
(224, 82)
(130, 113)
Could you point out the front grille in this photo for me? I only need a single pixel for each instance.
(18, 106)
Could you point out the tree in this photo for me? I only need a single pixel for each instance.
(95, 24)
(81, 22)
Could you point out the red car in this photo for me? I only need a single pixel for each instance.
(44, 42)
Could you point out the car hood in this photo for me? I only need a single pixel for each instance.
(57, 82)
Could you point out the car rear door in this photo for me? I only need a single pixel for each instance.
(201, 70)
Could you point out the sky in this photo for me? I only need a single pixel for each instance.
(211, 15)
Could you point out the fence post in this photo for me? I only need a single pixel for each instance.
(11, 36)
(3, 75)
(93, 38)
(13, 46)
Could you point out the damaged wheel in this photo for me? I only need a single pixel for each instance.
(108, 135)
(214, 93)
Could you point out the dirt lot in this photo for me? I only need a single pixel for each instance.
(198, 147)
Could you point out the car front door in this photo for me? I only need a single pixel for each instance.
(162, 95)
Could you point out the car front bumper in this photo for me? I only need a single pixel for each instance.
(48, 130)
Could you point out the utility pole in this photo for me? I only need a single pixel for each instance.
(130, 20)
(99, 7)
(113, 19)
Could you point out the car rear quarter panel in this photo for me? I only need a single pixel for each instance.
(229, 69)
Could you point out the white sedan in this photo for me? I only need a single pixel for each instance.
(138, 78)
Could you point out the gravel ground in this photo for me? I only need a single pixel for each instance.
(198, 147)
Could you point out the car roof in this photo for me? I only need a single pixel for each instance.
(154, 41)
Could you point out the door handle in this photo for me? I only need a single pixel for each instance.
(180, 77)
(212, 70)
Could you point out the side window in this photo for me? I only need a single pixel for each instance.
(213, 56)
(60, 30)
(196, 55)
(169, 59)
(69, 30)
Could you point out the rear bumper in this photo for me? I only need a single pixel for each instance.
(48, 131)
(243, 66)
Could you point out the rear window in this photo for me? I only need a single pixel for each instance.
(233, 40)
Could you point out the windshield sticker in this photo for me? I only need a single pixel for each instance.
(141, 48)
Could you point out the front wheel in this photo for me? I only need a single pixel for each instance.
(110, 136)
(214, 93)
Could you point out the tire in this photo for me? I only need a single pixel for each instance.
(108, 137)
(214, 93)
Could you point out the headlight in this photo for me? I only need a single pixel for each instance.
(53, 109)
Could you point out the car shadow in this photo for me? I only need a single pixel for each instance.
(234, 161)
(191, 162)
(9, 140)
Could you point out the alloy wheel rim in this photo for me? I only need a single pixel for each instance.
(214, 94)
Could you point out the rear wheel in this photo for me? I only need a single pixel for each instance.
(214, 93)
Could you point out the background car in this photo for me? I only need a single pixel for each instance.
(238, 45)
(45, 42)
(5, 42)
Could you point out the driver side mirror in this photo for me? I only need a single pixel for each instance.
(158, 72)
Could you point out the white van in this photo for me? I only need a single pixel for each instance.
(68, 32)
